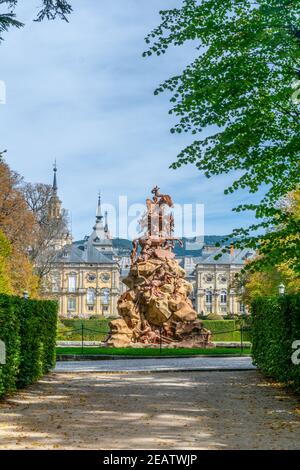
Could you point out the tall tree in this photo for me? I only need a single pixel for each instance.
(22, 274)
(281, 244)
(48, 231)
(243, 90)
(5, 252)
(17, 226)
(16, 220)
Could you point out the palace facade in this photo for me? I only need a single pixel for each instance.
(214, 282)
(85, 274)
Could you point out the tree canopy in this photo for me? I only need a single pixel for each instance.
(5, 252)
(28, 234)
(242, 90)
(17, 229)
(48, 231)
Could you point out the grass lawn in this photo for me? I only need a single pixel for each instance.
(153, 352)
(93, 329)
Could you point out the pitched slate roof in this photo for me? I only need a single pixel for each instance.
(238, 257)
(79, 253)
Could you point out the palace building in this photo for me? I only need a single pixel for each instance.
(214, 282)
(85, 274)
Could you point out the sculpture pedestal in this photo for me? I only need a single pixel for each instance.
(156, 310)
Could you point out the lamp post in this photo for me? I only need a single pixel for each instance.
(242, 304)
(281, 289)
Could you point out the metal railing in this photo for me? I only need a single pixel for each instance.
(84, 332)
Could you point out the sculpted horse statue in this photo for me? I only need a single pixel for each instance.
(161, 199)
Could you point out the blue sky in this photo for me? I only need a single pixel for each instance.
(82, 93)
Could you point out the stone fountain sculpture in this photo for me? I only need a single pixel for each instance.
(156, 309)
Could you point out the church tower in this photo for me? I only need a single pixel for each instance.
(55, 202)
(58, 216)
(100, 237)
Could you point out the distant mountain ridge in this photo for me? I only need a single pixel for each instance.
(191, 246)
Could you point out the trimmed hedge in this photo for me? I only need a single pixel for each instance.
(28, 329)
(9, 334)
(275, 326)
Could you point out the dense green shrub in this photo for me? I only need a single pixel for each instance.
(9, 334)
(275, 326)
(28, 329)
(38, 321)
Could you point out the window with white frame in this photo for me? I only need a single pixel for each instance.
(72, 283)
(105, 296)
(90, 296)
(242, 308)
(223, 297)
(71, 304)
(208, 297)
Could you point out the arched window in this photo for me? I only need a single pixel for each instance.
(90, 296)
(223, 298)
(208, 297)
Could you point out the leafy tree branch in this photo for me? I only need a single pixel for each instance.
(49, 9)
(242, 90)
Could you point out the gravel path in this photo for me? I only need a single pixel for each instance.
(173, 410)
(158, 364)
